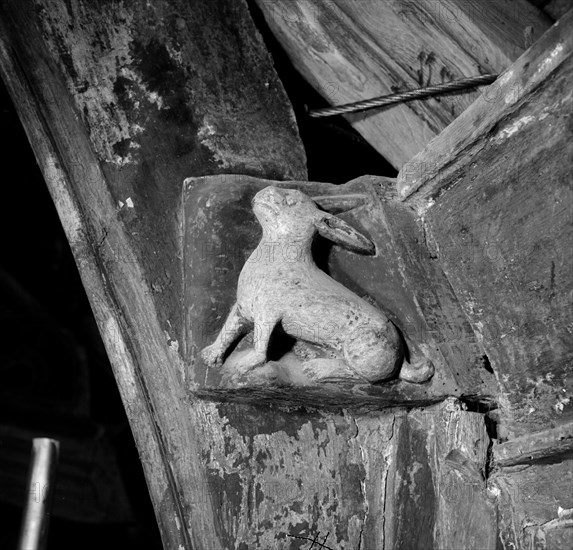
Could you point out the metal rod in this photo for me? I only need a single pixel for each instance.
(41, 485)
(403, 97)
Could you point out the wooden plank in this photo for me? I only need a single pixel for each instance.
(350, 51)
(220, 476)
(535, 447)
(535, 505)
(439, 468)
(552, 535)
(422, 178)
(557, 8)
(494, 192)
(120, 103)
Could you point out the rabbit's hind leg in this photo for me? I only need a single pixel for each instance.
(235, 326)
(374, 352)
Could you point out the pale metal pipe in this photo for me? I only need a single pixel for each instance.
(41, 485)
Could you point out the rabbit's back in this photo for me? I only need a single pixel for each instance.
(325, 312)
(310, 305)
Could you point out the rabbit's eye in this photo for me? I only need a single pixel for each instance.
(290, 200)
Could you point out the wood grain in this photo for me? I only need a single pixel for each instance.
(440, 466)
(535, 447)
(422, 178)
(495, 196)
(118, 113)
(121, 102)
(535, 505)
(350, 51)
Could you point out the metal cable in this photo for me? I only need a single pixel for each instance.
(402, 97)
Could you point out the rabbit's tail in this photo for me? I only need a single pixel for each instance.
(419, 369)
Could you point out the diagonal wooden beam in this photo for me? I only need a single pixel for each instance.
(423, 176)
(351, 51)
(120, 103)
(494, 192)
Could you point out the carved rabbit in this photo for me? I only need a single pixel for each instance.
(280, 283)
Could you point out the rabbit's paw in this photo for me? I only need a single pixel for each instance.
(418, 372)
(212, 355)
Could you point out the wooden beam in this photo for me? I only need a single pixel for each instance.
(350, 51)
(439, 467)
(535, 504)
(557, 8)
(120, 104)
(546, 444)
(494, 192)
(423, 177)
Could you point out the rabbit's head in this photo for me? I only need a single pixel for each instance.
(290, 214)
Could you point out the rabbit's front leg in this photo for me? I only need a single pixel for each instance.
(235, 325)
(264, 327)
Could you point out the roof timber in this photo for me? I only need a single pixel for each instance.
(351, 51)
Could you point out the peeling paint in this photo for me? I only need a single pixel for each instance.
(560, 405)
(173, 344)
(307, 481)
(112, 130)
(514, 128)
(550, 60)
(564, 512)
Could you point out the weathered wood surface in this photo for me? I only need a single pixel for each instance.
(350, 51)
(440, 467)
(494, 190)
(535, 505)
(424, 176)
(120, 103)
(535, 447)
(401, 279)
(557, 8)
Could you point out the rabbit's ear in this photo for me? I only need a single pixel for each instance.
(335, 204)
(340, 232)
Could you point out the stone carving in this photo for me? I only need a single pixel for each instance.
(340, 334)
